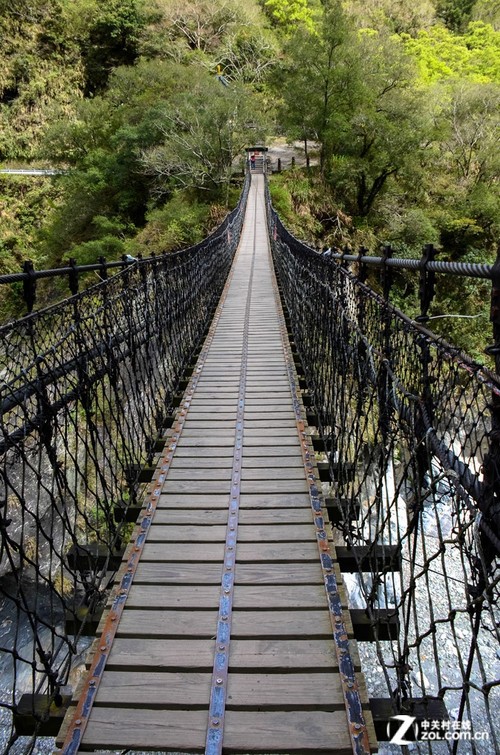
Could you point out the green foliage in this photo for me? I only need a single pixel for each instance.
(475, 54)
(287, 14)
(180, 222)
(393, 16)
(487, 11)
(202, 129)
(408, 230)
(112, 40)
(455, 13)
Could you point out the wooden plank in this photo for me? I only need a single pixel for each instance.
(190, 689)
(294, 732)
(191, 473)
(279, 596)
(281, 421)
(169, 501)
(191, 517)
(279, 500)
(290, 623)
(272, 486)
(301, 515)
(214, 451)
(257, 388)
(210, 533)
(279, 411)
(196, 440)
(291, 691)
(278, 399)
(224, 433)
(165, 573)
(173, 624)
(272, 461)
(219, 420)
(201, 462)
(219, 516)
(284, 575)
(203, 394)
(270, 472)
(220, 487)
(161, 690)
(265, 597)
(175, 552)
(170, 597)
(110, 728)
(212, 426)
(262, 438)
(247, 533)
(247, 501)
(202, 624)
(290, 448)
(174, 486)
(305, 654)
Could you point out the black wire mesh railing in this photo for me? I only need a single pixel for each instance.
(410, 431)
(86, 386)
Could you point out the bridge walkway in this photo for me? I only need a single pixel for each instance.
(226, 639)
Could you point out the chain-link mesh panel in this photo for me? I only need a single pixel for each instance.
(86, 387)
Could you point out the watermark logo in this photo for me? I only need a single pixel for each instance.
(403, 730)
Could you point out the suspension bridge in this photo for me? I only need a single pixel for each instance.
(270, 496)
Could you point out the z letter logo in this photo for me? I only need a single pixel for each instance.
(406, 724)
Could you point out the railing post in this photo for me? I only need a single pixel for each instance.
(73, 277)
(29, 285)
(426, 288)
(362, 268)
(103, 272)
(386, 274)
(491, 464)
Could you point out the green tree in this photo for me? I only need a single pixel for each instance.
(394, 16)
(112, 40)
(441, 54)
(203, 129)
(317, 71)
(287, 14)
(455, 13)
(487, 11)
(248, 55)
(472, 119)
(362, 106)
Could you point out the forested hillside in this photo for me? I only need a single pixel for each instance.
(148, 104)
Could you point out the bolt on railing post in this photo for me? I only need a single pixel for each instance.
(426, 288)
(29, 285)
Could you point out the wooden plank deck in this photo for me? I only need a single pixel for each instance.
(284, 692)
